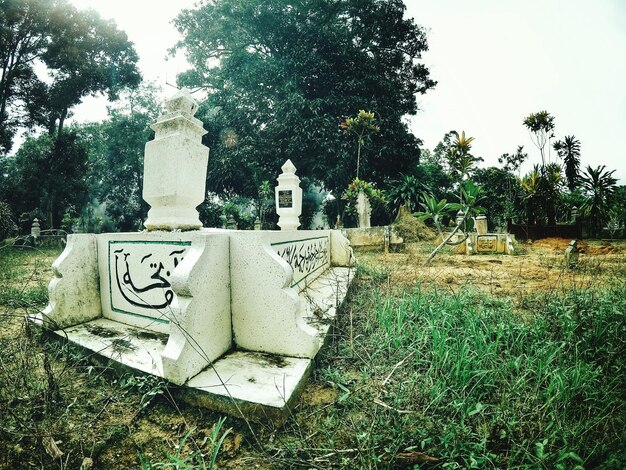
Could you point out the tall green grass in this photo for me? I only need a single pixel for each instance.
(24, 276)
(478, 384)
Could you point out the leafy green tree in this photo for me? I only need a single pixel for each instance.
(279, 74)
(443, 148)
(405, 191)
(501, 194)
(81, 54)
(540, 125)
(48, 173)
(116, 151)
(542, 193)
(428, 177)
(434, 180)
(569, 150)
(598, 185)
(459, 158)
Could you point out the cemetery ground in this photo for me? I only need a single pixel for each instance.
(472, 361)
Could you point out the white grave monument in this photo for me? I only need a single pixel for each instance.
(235, 317)
(288, 198)
(364, 210)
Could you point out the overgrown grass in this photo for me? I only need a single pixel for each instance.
(470, 381)
(423, 378)
(24, 275)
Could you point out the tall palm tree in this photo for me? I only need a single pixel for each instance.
(569, 150)
(598, 184)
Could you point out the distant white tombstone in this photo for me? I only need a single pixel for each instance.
(364, 210)
(571, 254)
(35, 229)
(175, 167)
(288, 198)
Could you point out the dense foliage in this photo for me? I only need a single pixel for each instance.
(281, 75)
(80, 53)
(47, 176)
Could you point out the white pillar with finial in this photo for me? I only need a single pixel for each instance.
(35, 229)
(288, 198)
(175, 167)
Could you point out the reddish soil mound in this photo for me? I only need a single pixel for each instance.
(556, 244)
(559, 244)
(605, 248)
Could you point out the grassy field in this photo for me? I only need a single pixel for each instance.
(479, 362)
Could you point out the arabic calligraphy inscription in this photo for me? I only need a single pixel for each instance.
(304, 256)
(487, 243)
(140, 275)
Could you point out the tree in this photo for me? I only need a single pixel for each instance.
(459, 158)
(569, 150)
(511, 162)
(279, 74)
(540, 125)
(598, 184)
(116, 150)
(49, 174)
(7, 222)
(22, 40)
(434, 180)
(362, 126)
(441, 150)
(501, 194)
(81, 54)
(542, 192)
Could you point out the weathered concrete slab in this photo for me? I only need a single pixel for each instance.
(130, 346)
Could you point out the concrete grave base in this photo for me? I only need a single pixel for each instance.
(372, 238)
(257, 385)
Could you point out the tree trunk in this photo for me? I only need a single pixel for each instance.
(445, 242)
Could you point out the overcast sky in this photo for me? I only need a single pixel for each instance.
(496, 61)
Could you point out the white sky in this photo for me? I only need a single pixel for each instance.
(496, 61)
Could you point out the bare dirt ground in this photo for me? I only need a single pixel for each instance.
(537, 267)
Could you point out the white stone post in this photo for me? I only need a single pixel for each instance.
(288, 198)
(364, 210)
(481, 224)
(35, 229)
(175, 167)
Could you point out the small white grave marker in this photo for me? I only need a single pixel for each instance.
(288, 198)
(364, 210)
